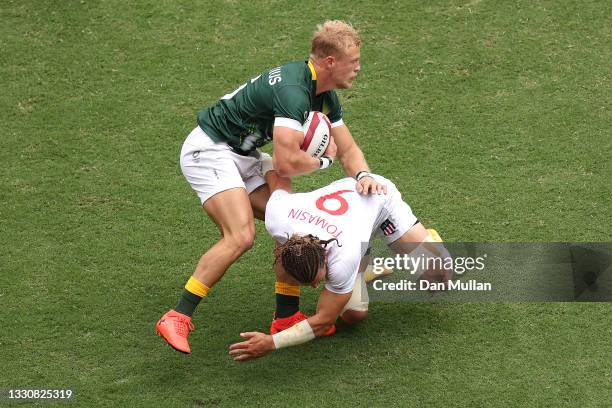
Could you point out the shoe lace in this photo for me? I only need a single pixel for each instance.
(183, 326)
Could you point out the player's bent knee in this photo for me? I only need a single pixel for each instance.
(247, 238)
(242, 241)
(354, 316)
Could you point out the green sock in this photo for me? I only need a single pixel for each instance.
(286, 305)
(187, 303)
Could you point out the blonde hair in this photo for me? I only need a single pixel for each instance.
(333, 37)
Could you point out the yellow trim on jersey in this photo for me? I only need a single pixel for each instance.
(287, 289)
(196, 287)
(312, 70)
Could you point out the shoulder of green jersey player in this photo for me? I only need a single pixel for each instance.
(295, 74)
(291, 101)
(298, 77)
(295, 102)
(295, 93)
(293, 90)
(249, 111)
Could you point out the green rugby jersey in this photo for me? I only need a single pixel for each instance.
(244, 119)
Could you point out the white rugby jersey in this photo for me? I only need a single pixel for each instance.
(335, 211)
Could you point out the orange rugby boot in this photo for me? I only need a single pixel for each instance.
(174, 327)
(283, 323)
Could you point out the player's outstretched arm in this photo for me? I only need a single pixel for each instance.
(354, 163)
(258, 344)
(350, 155)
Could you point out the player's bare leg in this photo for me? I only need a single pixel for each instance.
(259, 198)
(231, 211)
(419, 241)
(353, 317)
(410, 240)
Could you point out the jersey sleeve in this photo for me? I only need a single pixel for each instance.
(276, 219)
(341, 277)
(332, 107)
(291, 102)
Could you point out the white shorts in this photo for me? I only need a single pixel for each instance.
(396, 217)
(211, 167)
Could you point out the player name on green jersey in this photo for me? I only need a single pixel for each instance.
(244, 119)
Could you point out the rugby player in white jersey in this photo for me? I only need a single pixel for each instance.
(324, 234)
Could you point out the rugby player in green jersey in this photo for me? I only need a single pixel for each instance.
(221, 162)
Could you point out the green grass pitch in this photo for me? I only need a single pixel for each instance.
(492, 117)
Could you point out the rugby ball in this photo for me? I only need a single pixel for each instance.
(317, 133)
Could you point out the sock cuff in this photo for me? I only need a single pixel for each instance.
(196, 287)
(287, 289)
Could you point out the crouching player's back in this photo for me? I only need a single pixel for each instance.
(325, 234)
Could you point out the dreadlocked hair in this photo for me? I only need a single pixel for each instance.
(302, 256)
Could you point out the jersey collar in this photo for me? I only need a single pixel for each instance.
(313, 73)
